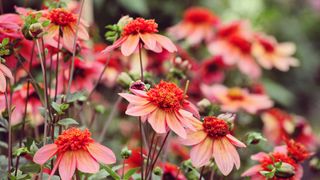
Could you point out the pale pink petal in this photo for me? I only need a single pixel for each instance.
(137, 110)
(157, 121)
(165, 42)
(252, 171)
(299, 173)
(67, 165)
(139, 92)
(83, 33)
(235, 141)
(114, 45)
(213, 92)
(56, 165)
(201, 153)
(281, 149)
(193, 138)
(85, 162)
(249, 67)
(3, 83)
(196, 36)
(259, 156)
(6, 71)
(45, 153)
(148, 40)
(130, 45)
(192, 108)
(68, 37)
(134, 99)
(232, 151)
(186, 121)
(286, 49)
(101, 153)
(222, 157)
(175, 125)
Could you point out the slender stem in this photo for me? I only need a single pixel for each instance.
(201, 172)
(141, 148)
(57, 67)
(212, 173)
(74, 48)
(25, 109)
(123, 163)
(153, 154)
(141, 66)
(150, 150)
(110, 118)
(1, 7)
(8, 107)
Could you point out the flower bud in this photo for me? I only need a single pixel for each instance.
(285, 171)
(139, 85)
(157, 171)
(125, 153)
(203, 104)
(123, 21)
(254, 138)
(36, 30)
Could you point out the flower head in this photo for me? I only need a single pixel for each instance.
(197, 25)
(212, 138)
(75, 149)
(138, 32)
(297, 151)
(164, 106)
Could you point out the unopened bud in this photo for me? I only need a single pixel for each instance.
(125, 153)
(157, 171)
(254, 138)
(139, 85)
(123, 21)
(36, 30)
(285, 171)
(203, 104)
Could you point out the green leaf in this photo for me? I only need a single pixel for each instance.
(278, 93)
(139, 6)
(20, 151)
(30, 168)
(5, 41)
(46, 23)
(57, 108)
(112, 173)
(77, 96)
(67, 122)
(130, 173)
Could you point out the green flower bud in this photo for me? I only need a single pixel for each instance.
(285, 171)
(157, 171)
(125, 153)
(36, 30)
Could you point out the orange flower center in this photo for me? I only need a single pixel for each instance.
(297, 151)
(241, 43)
(140, 25)
(200, 15)
(276, 157)
(235, 94)
(61, 17)
(215, 127)
(166, 96)
(73, 139)
(267, 45)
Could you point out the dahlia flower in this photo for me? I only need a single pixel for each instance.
(164, 106)
(139, 31)
(212, 138)
(75, 149)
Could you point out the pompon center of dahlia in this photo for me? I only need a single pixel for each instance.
(297, 151)
(61, 17)
(200, 15)
(140, 25)
(73, 139)
(240, 42)
(214, 127)
(267, 45)
(235, 94)
(276, 157)
(166, 96)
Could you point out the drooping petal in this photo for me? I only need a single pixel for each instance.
(56, 165)
(86, 163)
(194, 138)
(68, 37)
(140, 110)
(175, 125)
(6, 71)
(232, 151)
(148, 40)
(192, 108)
(157, 121)
(222, 158)
(187, 122)
(201, 153)
(101, 153)
(67, 165)
(165, 42)
(83, 33)
(139, 92)
(114, 45)
(45, 153)
(130, 45)
(252, 171)
(235, 141)
(259, 156)
(3, 83)
(134, 99)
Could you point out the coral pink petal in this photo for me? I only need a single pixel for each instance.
(83, 33)
(101, 153)
(140, 110)
(165, 42)
(259, 156)
(175, 125)
(139, 92)
(130, 45)
(186, 121)
(56, 165)
(192, 108)
(201, 153)
(85, 162)
(114, 45)
(3, 83)
(134, 99)
(157, 121)
(222, 157)
(235, 141)
(6, 71)
(281, 149)
(232, 151)
(148, 40)
(67, 165)
(45, 153)
(194, 138)
(252, 171)
(68, 37)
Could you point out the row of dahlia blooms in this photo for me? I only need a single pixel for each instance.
(64, 99)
